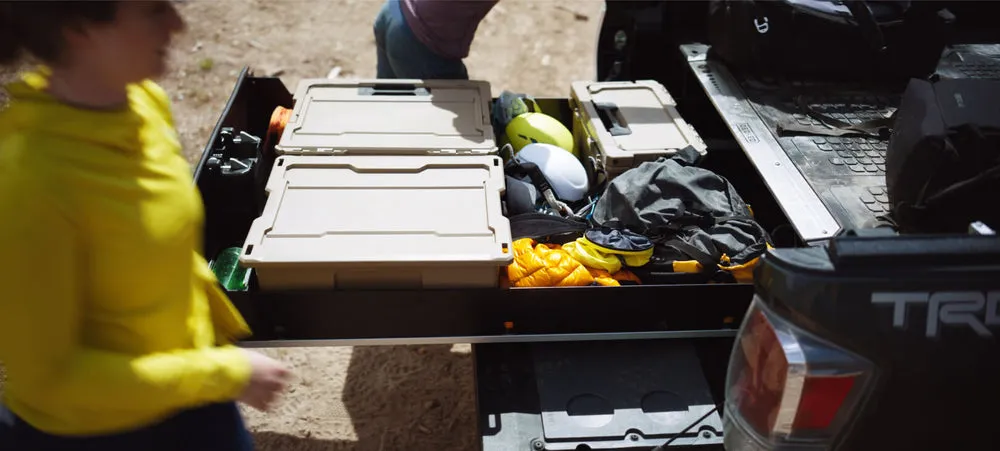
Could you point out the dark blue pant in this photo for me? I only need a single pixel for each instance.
(402, 55)
(217, 427)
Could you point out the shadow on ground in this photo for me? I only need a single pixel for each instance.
(402, 398)
(284, 442)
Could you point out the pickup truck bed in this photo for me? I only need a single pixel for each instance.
(529, 344)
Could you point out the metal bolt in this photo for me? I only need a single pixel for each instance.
(537, 445)
(620, 39)
(633, 437)
(706, 434)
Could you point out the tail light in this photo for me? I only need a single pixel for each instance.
(788, 388)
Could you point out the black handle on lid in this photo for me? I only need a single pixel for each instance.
(610, 117)
(393, 89)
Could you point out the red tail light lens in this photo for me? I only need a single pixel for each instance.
(787, 385)
(822, 397)
(762, 382)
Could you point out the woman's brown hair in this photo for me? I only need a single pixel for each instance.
(36, 27)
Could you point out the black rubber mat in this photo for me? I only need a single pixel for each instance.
(846, 169)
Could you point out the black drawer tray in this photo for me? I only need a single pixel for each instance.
(332, 317)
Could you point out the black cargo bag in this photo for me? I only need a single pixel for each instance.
(943, 160)
(702, 229)
(829, 40)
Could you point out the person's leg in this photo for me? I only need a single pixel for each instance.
(410, 58)
(214, 427)
(12, 431)
(217, 427)
(382, 21)
(15, 433)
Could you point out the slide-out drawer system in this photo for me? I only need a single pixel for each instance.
(464, 315)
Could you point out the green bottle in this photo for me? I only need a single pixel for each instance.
(227, 269)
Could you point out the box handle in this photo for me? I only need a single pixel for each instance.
(391, 89)
(610, 116)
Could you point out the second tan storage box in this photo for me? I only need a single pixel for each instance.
(622, 124)
(389, 117)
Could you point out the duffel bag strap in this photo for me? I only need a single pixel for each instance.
(724, 219)
(937, 210)
(696, 221)
(709, 263)
(977, 153)
(964, 188)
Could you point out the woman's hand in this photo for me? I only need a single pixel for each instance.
(268, 378)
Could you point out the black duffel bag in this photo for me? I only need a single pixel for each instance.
(943, 160)
(701, 228)
(828, 39)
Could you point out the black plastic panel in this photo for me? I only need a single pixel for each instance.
(332, 315)
(517, 384)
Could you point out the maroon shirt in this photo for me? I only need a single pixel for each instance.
(447, 27)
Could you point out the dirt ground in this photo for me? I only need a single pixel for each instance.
(367, 398)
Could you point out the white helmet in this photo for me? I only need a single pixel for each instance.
(561, 169)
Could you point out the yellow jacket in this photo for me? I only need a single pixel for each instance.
(110, 318)
(550, 265)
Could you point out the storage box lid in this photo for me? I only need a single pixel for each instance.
(371, 210)
(638, 117)
(389, 117)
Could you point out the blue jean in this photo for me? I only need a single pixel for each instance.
(402, 55)
(216, 427)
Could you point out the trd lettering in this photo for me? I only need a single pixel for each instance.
(976, 310)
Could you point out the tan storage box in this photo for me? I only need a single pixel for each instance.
(622, 124)
(381, 222)
(389, 117)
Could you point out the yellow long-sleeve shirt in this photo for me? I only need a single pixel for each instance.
(110, 318)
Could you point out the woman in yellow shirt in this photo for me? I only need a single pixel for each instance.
(114, 333)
